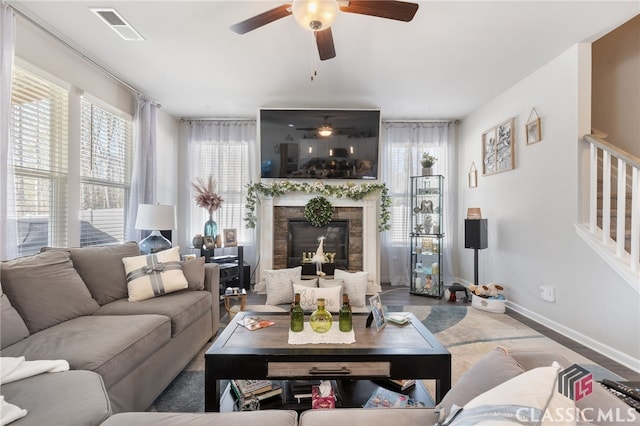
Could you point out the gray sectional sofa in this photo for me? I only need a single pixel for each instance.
(72, 304)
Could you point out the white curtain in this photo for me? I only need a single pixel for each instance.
(143, 182)
(224, 149)
(403, 144)
(8, 234)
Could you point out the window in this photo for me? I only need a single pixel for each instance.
(105, 162)
(45, 182)
(39, 135)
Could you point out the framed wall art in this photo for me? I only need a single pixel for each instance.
(498, 148)
(534, 133)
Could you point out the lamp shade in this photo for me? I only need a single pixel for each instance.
(152, 217)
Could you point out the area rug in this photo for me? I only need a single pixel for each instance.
(466, 332)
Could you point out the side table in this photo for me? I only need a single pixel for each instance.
(229, 297)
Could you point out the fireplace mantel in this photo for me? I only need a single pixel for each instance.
(370, 206)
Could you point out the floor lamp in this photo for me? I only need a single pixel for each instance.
(475, 237)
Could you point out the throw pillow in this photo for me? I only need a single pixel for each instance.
(46, 290)
(193, 270)
(355, 285)
(308, 297)
(495, 367)
(101, 269)
(306, 283)
(12, 327)
(154, 275)
(278, 284)
(531, 397)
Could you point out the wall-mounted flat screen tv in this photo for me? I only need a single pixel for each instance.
(319, 143)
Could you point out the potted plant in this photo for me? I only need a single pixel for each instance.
(427, 161)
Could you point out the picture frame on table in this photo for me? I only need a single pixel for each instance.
(230, 237)
(209, 242)
(377, 312)
(498, 143)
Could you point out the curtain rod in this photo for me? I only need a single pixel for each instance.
(77, 52)
(218, 119)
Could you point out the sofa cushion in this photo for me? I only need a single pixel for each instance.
(69, 398)
(277, 275)
(530, 397)
(183, 307)
(309, 295)
(12, 327)
(109, 345)
(278, 284)
(46, 290)
(355, 285)
(493, 368)
(193, 270)
(369, 416)
(154, 274)
(102, 270)
(240, 418)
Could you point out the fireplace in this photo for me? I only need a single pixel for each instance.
(304, 239)
(363, 238)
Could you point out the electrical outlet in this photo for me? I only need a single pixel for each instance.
(548, 293)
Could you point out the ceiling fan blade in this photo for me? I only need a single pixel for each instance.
(262, 19)
(324, 40)
(398, 10)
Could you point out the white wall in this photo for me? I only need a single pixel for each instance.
(532, 212)
(616, 86)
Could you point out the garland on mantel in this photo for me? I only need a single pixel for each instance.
(349, 190)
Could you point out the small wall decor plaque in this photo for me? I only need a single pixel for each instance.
(473, 176)
(498, 148)
(533, 130)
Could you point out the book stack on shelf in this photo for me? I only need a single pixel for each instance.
(401, 384)
(250, 394)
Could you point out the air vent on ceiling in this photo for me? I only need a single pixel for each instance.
(117, 23)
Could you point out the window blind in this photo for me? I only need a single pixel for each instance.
(38, 129)
(105, 162)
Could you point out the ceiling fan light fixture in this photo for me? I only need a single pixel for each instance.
(315, 15)
(325, 130)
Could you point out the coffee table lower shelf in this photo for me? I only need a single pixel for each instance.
(349, 394)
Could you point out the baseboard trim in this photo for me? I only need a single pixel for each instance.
(605, 350)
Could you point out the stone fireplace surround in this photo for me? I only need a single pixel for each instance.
(364, 239)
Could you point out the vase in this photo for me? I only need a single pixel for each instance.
(320, 320)
(198, 241)
(427, 171)
(211, 228)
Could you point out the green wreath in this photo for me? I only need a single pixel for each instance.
(318, 211)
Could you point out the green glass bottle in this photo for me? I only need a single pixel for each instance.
(297, 315)
(321, 320)
(344, 316)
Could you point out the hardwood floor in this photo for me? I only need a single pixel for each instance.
(401, 296)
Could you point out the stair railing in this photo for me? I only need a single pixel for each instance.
(601, 154)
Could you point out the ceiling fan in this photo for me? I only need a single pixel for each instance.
(318, 15)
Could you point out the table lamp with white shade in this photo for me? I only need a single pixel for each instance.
(155, 218)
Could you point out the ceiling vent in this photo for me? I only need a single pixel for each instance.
(117, 23)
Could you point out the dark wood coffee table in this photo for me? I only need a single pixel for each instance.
(409, 351)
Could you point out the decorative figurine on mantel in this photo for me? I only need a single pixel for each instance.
(318, 258)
